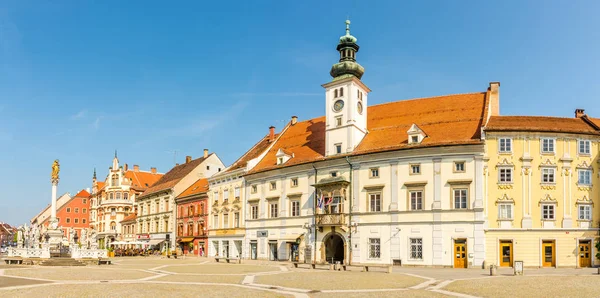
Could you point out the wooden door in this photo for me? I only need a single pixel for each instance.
(548, 254)
(585, 258)
(460, 253)
(506, 254)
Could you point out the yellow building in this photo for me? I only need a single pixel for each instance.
(542, 190)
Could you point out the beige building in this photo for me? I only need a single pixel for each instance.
(156, 216)
(542, 190)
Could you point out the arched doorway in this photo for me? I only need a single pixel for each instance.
(334, 248)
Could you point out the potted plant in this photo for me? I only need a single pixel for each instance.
(111, 252)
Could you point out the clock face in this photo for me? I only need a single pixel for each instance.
(359, 107)
(338, 105)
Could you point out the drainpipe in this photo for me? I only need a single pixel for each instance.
(315, 215)
(350, 215)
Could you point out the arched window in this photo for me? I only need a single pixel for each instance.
(115, 180)
(342, 91)
(118, 196)
(201, 211)
(125, 196)
(110, 196)
(191, 210)
(335, 93)
(113, 226)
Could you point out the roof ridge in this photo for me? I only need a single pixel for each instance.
(420, 98)
(527, 116)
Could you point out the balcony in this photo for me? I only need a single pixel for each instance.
(333, 219)
(116, 202)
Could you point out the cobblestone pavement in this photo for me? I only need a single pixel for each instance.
(138, 276)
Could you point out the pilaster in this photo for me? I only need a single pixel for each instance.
(437, 233)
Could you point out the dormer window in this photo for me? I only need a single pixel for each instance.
(283, 156)
(415, 135)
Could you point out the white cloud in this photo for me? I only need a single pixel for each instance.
(79, 115)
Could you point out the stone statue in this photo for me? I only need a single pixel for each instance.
(20, 237)
(55, 170)
(36, 237)
(72, 234)
(83, 238)
(93, 243)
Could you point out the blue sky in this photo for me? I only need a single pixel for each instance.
(81, 78)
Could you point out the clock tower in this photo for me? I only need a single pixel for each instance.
(345, 100)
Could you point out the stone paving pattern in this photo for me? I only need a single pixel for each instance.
(194, 277)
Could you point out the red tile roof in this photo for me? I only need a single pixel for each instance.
(200, 186)
(254, 152)
(141, 180)
(595, 121)
(540, 124)
(447, 120)
(172, 177)
(100, 185)
(83, 194)
(130, 218)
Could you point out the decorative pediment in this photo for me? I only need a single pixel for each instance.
(505, 163)
(585, 165)
(283, 156)
(415, 134)
(225, 209)
(584, 200)
(236, 208)
(548, 199)
(504, 199)
(548, 163)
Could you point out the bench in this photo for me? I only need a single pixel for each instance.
(365, 267)
(229, 260)
(12, 261)
(312, 265)
(104, 261)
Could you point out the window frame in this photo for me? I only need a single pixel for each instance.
(294, 182)
(546, 176)
(413, 250)
(338, 148)
(551, 211)
(551, 141)
(254, 211)
(588, 146)
(507, 145)
(374, 172)
(410, 199)
(338, 121)
(510, 169)
(253, 188)
(273, 185)
(511, 212)
(374, 248)
(460, 162)
(413, 166)
(215, 221)
(294, 210)
(379, 201)
(589, 212)
(589, 176)
(274, 206)
(466, 197)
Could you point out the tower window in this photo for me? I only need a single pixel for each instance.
(338, 148)
(338, 121)
(342, 91)
(335, 93)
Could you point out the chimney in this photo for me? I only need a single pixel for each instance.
(494, 105)
(126, 167)
(294, 120)
(579, 113)
(153, 170)
(205, 153)
(271, 133)
(188, 159)
(136, 168)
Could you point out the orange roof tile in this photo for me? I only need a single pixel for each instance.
(130, 218)
(595, 121)
(447, 120)
(141, 180)
(82, 194)
(254, 152)
(173, 176)
(100, 185)
(539, 124)
(198, 187)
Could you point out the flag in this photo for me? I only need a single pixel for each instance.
(320, 201)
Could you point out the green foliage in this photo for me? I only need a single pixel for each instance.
(598, 249)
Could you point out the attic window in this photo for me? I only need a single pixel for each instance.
(414, 139)
(415, 134)
(283, 156)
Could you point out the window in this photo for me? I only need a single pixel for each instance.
(505, 211)
(125, 196)
(504, 145)
(76, 210)
(84, 210)
(83, 220)
(68, 210)
(375, 202)
(225, 195)
(585, 177)
(333, 174)
(273, 185)
(76, 220)
(374, 248)
(157, 206)
(342, 91)
(505, 175)
(84, 201)
(460, 198)
(416, 248)
(335, 93)
(338, 148)
(254, 211)
(459, 166)
(68, 220)
(115, 180)
(338, 121)
(274, 209)
(110, 196)
(225, 220)
(216, 196)
(415, 169)
(236, 220)
(416, 200)
(216, 221)
(118, 197)
(547, 145)
(585, 212)
(374, 173)
(207, 168)
(547, 212)
(294, 182)
(295, 208)
(584, 147)
(237, 192)
(254, 189)
(113, 212)
(414, 139)
(548, 175)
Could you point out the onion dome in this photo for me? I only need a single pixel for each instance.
(347, 66)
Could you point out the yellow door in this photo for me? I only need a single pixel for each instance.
(506, 253)
(585, 259)
(548, 254)
(460, 253)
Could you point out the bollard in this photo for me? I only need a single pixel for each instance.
(492, 270)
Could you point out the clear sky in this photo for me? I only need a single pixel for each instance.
(81, 78)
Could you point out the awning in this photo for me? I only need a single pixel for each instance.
(291, 237)
(187, 239)
(155, 241)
